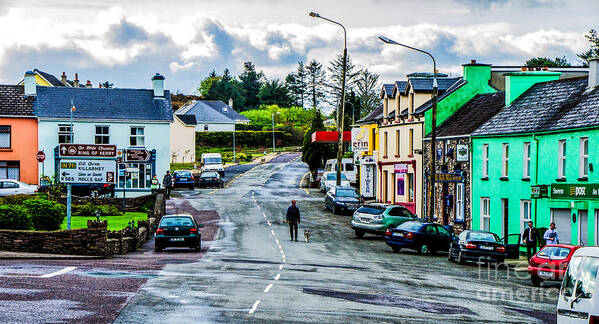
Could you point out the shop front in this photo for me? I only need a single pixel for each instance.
(368, 176)
(135, 171)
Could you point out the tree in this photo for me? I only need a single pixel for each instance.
(207, 83)
(274, 92)
(593, 37)
(367, 86)
(296, 83)
(223, 88)
(315, 79)
(251, 82)
(314, 154)
(107, 85)
(547, 62)
(336, 78)
(352, 106)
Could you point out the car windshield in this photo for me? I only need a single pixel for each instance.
(410, 226)
(581, 270)
(554, 252)
(482, 236)
(213, 160)
(176, 221)
(333, 176)
(209, 175)
(184, 173)
(372, 210)
(346, 193)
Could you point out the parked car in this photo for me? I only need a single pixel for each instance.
(377, 218)
(426, 238)
(212, 162)
(183, 179)
(14, 187)
(178, 231)
(341, 199)
(329, 180)
(550, 263)
(347, 167)
(578, 300)
(476, 246)
(210, 179)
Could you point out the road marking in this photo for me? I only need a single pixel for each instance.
(283, 254)
(254, 307)
(281, 267)
(269, 224)
(273, 232)
(278, 243)
(264, 214)
(268, 288)
(307, 191)
(258, 206)
(277, 276)
(213, 191)
(59, 272)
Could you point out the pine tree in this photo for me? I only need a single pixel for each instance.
(274, 92)
(315, 83)
(251, 82)
(297, 85)
(367, 86)
(336, 78)
(593, 37)
(314, 154)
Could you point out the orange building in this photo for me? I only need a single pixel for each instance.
(18, 135)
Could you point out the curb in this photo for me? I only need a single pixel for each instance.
(41, 256)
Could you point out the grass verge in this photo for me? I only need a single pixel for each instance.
(115, 223)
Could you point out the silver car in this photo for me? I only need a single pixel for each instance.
(14, 187)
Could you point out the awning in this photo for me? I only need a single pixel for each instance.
(330, 137)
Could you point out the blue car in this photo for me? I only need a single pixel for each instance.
(184, 179)
(426, 238)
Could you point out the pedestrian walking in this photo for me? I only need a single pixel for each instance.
(293, 218)
(154, 184)
(531, 238)
(550, 235)
(167, 182)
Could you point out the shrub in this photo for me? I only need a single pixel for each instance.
(149, 205)
(45, 215)
(90, 210)
(14, 217)
(16, 199)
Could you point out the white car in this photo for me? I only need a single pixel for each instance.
(578, 300)
(329, 180)
(14, 187)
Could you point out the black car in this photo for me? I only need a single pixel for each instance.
(476, 246)
(178, 231)
(426, 238)
(342, 200)
(210, 179)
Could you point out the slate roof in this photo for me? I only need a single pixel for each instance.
(547, 106)
(457, 83)
(401, 86)
(387, 89)
(54, 80)
(374, 116)
(211, 111)
(101, 103)
(188, 119)
(13, 103)
(426, 84)
(472, 114)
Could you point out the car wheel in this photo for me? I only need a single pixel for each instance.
(536, 281)
(335, 211)
(396, 249)
(359, 233)
(449, 256)
(460, 258)
(424, 249)
(198, 247)
(94, 193)
(157, 248)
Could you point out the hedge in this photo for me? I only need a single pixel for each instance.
(45, 215)
(248, 138)
(14, 217)
(90, 210)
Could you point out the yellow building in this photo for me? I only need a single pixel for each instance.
(367, 160)
(48, 80)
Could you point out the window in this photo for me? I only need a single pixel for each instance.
(411, 104)
(526, 162)
(385, 143)
(561, 160)
(485, 160)
(411, 142)
(9, 170)
(459, 202)
(410, 181)
(102, 134)
(373, 140)
(205, 127)
(139, 179)
(505, 150)
(485, 216)
(397, 145)
(65, 134)
(137, 136)
(583, 157)
(4, 136)
(385, 106)
(524, 214)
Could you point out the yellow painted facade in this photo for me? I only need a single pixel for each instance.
(40, 81)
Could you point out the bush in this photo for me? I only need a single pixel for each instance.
(287, 137)
(90, 210)
(45, 215)
(14, 217)
(147, 206)
(15, 199)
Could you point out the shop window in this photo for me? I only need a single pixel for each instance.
(5, 136)
(485, 160)
(102, 135)
(459, 202)
(485, 216)
(583, 157)
(505, 150)
(410, 181)
(137, 137)
(135, 175)
(9, 170)
(526, 162)
(561, 160)
(65, 134)
(524, 214)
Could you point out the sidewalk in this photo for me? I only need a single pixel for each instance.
(518, 265)
(6, 255)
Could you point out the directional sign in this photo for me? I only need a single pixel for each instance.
(87, 171)
(137, 155)
(87, 150)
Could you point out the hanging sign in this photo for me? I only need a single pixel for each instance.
(359, 139)
(461, 153)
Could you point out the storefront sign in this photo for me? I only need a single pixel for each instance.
(449, 177)
(400, 184)
(87, 150)
(574, 191)
(539, 191)
(87, 171)
(461, 153)
(401, 168)
(359, 139)
(367, 180)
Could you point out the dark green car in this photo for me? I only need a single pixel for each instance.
(178, 231)
(377, 218)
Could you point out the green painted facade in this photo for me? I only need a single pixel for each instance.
(477, 77)
(518, 82)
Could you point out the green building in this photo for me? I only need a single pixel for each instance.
(535, 160)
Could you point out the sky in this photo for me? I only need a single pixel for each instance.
(126, 42)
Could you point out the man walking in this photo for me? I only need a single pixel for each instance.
(550, 235)
(293, 218)
(167, 182)
(530, 237)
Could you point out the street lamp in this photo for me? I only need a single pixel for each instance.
(273, 130)
(342, 112)
(389, 41)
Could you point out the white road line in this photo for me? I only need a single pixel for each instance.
(59, 272)
(254, 307)
(264, 214)
(278, 243)
(277, 276)
(283, 254)
(268, 222)
(258, 206)
(273, 232)
(281, 267)
(268, 288)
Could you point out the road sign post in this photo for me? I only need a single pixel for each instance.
(68, 206)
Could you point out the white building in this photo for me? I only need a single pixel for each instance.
(212, 115)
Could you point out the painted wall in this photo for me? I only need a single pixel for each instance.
(182, 142)
(215, 127)
(23, 147)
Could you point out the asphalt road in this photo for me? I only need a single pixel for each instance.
(253, 273)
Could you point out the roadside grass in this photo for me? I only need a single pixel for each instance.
(115, 223)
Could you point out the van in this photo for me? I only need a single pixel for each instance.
(212, 162)
(578, 300)
(347, 167)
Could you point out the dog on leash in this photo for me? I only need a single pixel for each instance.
(307, 235)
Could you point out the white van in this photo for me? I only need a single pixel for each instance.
(347, 167)
(212, 162)
(578, 300)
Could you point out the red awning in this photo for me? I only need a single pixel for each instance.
(330, 137)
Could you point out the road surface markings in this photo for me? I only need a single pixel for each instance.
(268, 288)
(258, 206)
(268, 222)
(281, 267)
(273, 232)
(213, 191)
(254, 307)
(59, 272)
(306, 191)
(278, 243)
(277, 276)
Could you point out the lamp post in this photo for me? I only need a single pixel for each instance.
(342, 112)
(273, 130)
(387, 40)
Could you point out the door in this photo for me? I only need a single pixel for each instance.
(431, 237)
(583, 228)
(504, 218)
(562, 219)
(385, 181)
(393, 191)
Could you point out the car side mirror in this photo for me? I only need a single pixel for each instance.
(201, 226)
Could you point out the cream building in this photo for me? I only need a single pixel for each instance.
(183, 139)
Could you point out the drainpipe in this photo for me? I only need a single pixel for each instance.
(536, 181)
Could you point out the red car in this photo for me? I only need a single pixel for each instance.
(550, 263)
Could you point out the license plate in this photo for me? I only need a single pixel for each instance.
(183, 179)
(483, 247)
(545, 274)
(174, 239)
(365, 220)
(398, 234)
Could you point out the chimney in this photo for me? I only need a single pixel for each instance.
(88, 84)
(76, 81)
(231, 102)
(593, 72)
(29, 84)
(516, 83)
(63, 79)
(158, 85)
(99, 84)
(477, 73)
